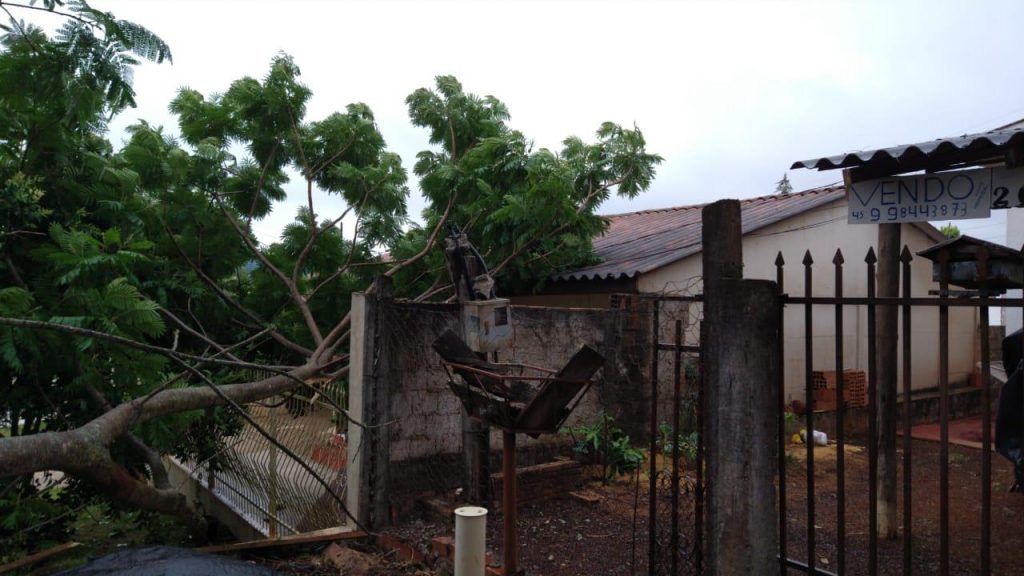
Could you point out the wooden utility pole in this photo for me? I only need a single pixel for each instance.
(886, 349)
(886, 343)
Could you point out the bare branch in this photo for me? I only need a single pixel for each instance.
(259, 183)
(323, 165)
(430, 241)
(277, 336)
(48, 10)
(433, 292)
(14, 272)
(201, 336)
(293, 289)
(314, 233)
(127, 342)
(14, 20)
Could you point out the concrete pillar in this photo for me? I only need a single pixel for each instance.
(741, 330)
(367, 471)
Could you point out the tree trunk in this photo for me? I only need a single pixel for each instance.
(85, 452)
(886, 346)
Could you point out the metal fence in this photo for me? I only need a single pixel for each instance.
(911, 549)
(272, 491)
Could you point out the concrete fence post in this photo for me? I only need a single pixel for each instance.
(740, 426)
(368, 453)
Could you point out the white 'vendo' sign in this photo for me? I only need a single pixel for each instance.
(941, 196)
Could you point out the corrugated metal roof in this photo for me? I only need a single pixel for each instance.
(639, 242)
(1012, 135)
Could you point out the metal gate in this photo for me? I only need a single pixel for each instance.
(676, 463)
(841, 541)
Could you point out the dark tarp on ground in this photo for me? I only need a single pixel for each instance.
(167, 561)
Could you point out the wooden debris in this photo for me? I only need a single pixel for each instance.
(325, 535)
(586, 496)
(38, 557)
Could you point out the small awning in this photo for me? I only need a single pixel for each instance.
(938, 154)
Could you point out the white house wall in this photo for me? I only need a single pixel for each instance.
(1014, 239)
(822, 231)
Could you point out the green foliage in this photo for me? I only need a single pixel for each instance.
(605, 440)
(530, 211)
(950, 231)
(30, 517)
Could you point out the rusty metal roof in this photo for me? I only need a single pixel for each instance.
(914, 156)
(639, 242)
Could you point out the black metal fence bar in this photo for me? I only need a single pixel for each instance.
(812, 556)
(982, 301)
(652, 509)
(986, 421)
(944, 417)
(871, 260)
(675, 444)
(779, 279)
(840, 423)
(908, 522)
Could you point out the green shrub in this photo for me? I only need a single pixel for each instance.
(687, 442)
(605, 440)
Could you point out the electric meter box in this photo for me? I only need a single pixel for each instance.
(487, 324)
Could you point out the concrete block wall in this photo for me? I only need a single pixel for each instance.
(424, 417)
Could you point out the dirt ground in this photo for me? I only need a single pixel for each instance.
(568, 537)
(965, 513)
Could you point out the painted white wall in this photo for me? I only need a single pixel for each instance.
(822, 231)
(1014, 239)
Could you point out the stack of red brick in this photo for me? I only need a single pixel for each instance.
(855, 389)
(542, 481)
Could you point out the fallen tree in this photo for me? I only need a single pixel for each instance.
(139, 309)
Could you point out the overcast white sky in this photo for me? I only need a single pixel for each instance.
(730, 93)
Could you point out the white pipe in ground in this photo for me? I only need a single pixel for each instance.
(470, 540)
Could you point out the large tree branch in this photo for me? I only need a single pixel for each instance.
(148, 455)
(64, 450)
(121, 487)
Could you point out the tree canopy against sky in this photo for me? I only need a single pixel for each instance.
(135, 301)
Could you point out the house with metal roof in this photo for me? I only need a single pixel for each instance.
(659, 252)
